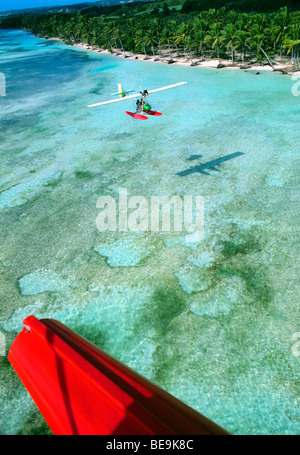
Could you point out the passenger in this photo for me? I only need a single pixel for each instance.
(139, 105)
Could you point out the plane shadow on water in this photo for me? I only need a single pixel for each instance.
(209, 166)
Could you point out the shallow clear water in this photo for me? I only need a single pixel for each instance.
(211, 322)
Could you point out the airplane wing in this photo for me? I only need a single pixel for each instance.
(166, 87)
(116, 100)
(136, 95)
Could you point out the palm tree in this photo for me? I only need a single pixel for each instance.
(292, 42)
(241, 40)
(242, 22)
(106, 37)
(129, 32)
(228, 36)
(279, 22)
(184, 37)
(116, 36)
(261, 23)
(141, 39)
(155, 27)
(232, 17)
(275, 33)
(168, 37)
(212, 30)
(69, 31)
(214, 38)
(200, 30)
(293, 45)
(81, 26)
(281, 18)
(150, 40)
(256, 39)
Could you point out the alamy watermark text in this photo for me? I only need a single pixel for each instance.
(296, 345)
(137, 214)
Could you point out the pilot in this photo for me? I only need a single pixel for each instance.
(139, 105)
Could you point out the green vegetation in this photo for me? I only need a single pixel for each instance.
(151, 27)
(258, 6)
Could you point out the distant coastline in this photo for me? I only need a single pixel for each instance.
(284, 68)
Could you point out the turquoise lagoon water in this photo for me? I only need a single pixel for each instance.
(211, 322)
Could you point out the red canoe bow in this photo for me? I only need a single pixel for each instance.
(82, 390)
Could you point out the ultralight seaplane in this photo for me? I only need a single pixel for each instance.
(141, 105)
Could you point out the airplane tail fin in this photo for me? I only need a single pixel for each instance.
(120, 90)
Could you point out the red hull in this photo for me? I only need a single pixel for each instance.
(150, 112)
(153, 113)
(82, 390)
(137, 116)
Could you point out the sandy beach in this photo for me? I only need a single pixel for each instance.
(185, 60)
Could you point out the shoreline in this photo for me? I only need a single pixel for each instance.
(175, 60)
(285, 69)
